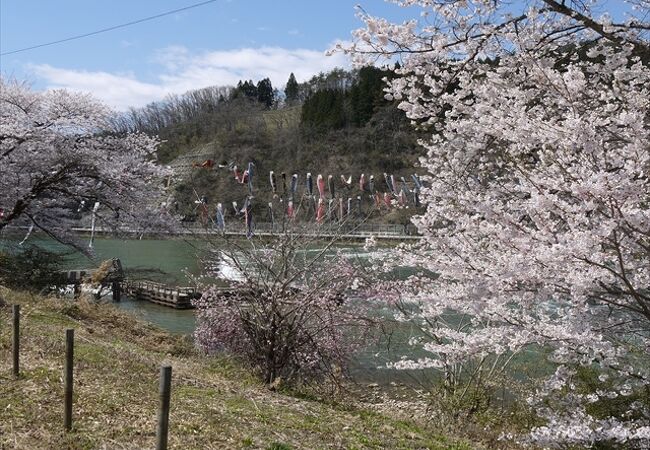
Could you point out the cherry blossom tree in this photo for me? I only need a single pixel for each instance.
(290, 311)
(538, 216)
(60, 160)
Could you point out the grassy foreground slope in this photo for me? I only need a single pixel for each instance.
(215, 405)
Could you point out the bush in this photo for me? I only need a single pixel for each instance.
(290, 317)
(31, 268)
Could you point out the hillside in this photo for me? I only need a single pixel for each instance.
(339, 126)
(215, 404)
(286, 147)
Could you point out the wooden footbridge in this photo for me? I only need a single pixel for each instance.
(175, 297)
(110, 273)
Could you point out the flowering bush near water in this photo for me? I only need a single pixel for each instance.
(289, 316)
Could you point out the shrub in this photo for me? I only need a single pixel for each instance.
(31, 268)
(290, 316)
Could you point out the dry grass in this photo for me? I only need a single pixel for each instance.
(215, 404)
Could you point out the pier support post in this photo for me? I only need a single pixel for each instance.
(117, 291)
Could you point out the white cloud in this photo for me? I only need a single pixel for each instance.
(181, 70)
(117, 90)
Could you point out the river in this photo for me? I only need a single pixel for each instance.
(174, 260)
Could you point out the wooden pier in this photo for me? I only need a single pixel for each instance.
(175, 297)
(77, 276)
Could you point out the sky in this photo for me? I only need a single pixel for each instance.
(215, 44)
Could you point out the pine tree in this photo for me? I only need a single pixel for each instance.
(249, 89)
(291, 89)
(265, 92)
(366, 94)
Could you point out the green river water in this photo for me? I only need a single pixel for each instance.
(171, 260)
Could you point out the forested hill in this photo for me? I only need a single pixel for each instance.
(334, 124)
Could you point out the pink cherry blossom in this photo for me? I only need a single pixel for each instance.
(538, 216)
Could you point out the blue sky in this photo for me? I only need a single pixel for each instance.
(215, 44)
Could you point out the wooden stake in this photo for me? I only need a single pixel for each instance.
(163, 411)
(15, 348)
(69, 360)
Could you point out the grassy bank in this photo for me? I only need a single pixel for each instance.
(215, 404)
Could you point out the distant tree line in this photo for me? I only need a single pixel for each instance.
(331, 100)
(347, 103)
(174, 109)
(262, 92)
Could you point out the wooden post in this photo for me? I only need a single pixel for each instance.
(69, 358)
(163, 411)
(15, 348)
(117, 291)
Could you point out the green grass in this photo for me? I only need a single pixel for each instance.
(215, 403)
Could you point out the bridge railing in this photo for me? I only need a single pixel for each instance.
(330, 229)
(162, 287)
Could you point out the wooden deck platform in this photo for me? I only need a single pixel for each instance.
(175, 297)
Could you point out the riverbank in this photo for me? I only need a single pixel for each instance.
(215, 404)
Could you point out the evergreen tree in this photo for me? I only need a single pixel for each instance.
(325, 109)
(246, 88)
(366, 94)
(265, 92)
(291, 89)
(238, 91)
(343, 105)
